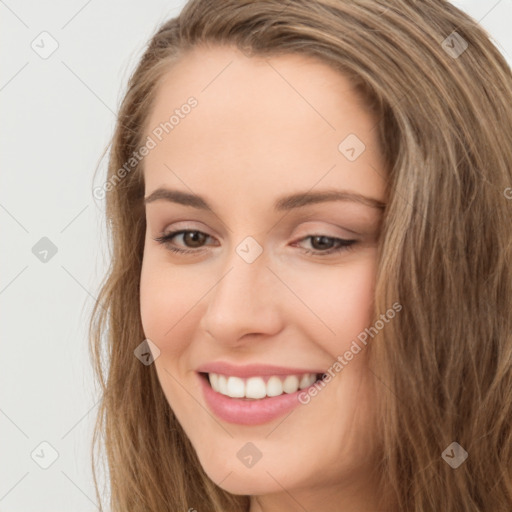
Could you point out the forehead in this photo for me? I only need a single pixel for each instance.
(268, 122)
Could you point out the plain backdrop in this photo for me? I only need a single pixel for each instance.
(57, 114)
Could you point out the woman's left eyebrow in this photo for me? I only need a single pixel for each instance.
(289, 202)
(301, 199)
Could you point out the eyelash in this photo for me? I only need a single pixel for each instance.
(345, 245)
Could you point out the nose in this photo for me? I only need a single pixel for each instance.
(247, 300)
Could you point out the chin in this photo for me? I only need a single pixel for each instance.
(245, 482)
(268, 475)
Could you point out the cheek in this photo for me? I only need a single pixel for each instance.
(355, 298)
(164, 300)
(341, 300)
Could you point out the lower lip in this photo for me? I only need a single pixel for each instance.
(248, 412)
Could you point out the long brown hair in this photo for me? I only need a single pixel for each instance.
(442, 96)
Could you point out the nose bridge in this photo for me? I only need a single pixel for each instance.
(245, 280)
(244, 298)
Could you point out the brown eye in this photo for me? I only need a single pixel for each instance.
(192, 239)
(322, 242)
(324, 245)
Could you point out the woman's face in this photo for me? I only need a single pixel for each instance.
(268, 294)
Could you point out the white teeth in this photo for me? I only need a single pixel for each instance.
(274, 386)
(236, 387)
(214, 380)
(291, 384)
(222, 386)
(256, 387)
(306, 381)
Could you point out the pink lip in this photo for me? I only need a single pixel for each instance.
(244, 411)
(252, 370)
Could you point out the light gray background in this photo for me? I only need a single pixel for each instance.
(57, 116)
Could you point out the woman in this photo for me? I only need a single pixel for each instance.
(308, 306)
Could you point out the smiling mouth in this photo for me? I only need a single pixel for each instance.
(257, 388)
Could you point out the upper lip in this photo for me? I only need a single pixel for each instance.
(252, 370)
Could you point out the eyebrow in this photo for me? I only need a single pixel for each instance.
(289, 202)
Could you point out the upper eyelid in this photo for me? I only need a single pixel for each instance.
(310, 230)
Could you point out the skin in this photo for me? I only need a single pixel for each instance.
(264, 128)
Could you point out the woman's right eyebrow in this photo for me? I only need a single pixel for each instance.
(285, 203)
